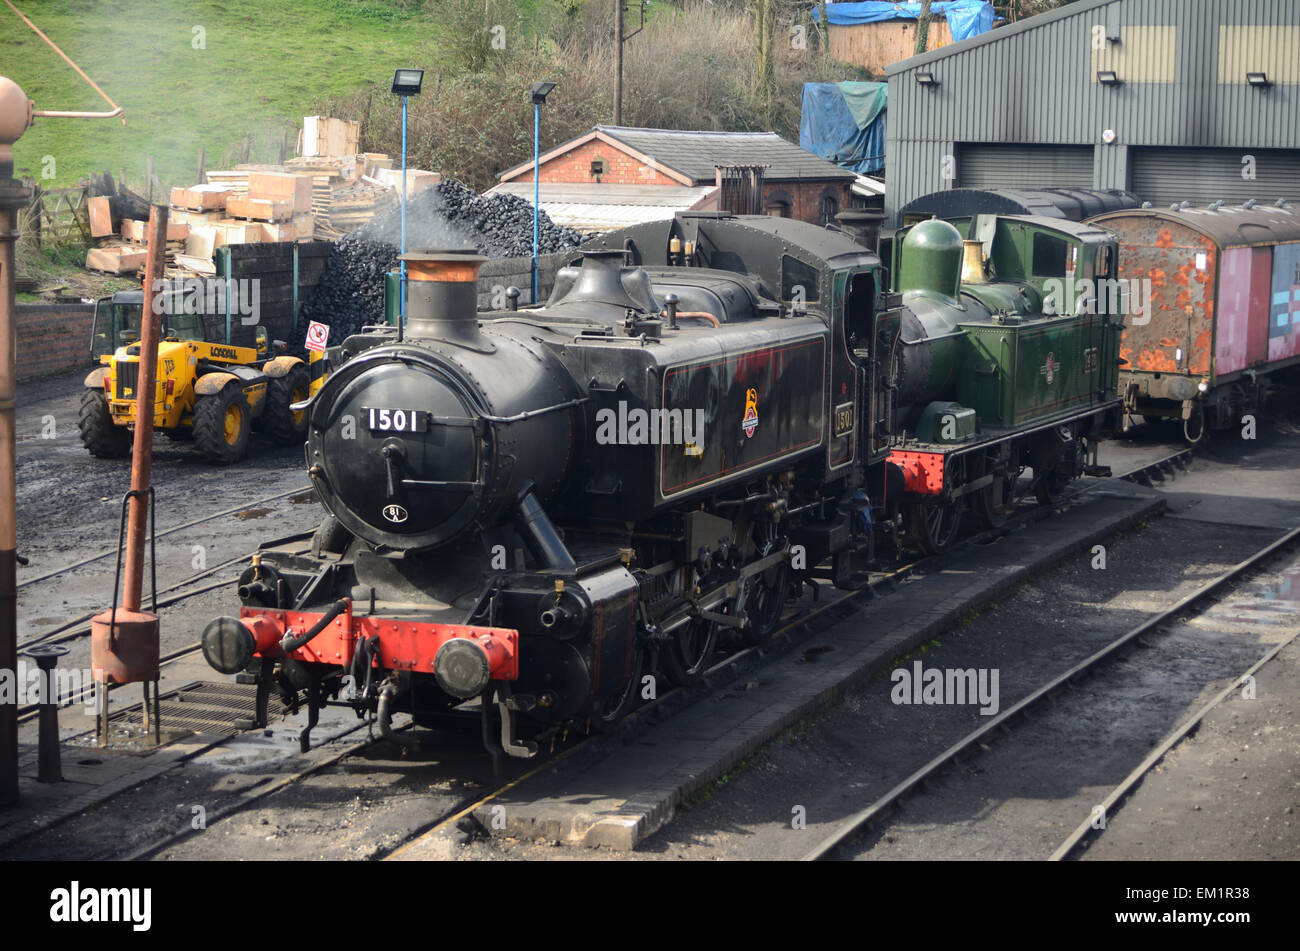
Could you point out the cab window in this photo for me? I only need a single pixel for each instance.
(185, 326)
(799, 281)
(126, 318)
(1050, 256)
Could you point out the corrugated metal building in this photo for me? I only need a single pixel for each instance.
(1174, 100)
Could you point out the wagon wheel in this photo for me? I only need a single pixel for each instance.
(688, 650)
(623, 701)
(765, 598)
(995, 502)
(1051, 448)
(936, 521)
(935, 525)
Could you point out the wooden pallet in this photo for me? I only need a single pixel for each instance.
(260, 209)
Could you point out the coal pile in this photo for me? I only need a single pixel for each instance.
(447, 216)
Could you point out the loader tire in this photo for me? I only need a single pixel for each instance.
(280, 422)
(99, 433)
(222, 422)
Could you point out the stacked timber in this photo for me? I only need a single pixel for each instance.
(351, 206)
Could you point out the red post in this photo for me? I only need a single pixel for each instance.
(146, 397)
(124, 642)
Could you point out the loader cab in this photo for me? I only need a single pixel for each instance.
(183, 327)
(116, 324)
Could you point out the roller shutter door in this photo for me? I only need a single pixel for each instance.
(981, 165)
(1201, 176)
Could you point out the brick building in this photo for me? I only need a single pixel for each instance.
(620, 166)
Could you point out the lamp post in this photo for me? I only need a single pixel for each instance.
(539, 93)
(406, 83)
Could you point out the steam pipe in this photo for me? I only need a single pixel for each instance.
(290, 644)
(387, 694)
(51, 114)
(539, 534)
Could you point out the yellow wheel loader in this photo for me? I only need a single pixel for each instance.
(211, 392)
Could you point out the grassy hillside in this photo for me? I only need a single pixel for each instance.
(262, 67)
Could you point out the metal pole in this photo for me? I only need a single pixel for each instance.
(401, 281)
(12, 196)
(229, 264)
(15, 117)
(146, 395)
(618, 58)
(537, 186)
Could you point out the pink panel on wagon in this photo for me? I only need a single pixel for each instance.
(1261, 284)
(1231, 345)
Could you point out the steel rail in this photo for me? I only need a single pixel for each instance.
(795, 619)
(112, 553)
(855, 823)
(1120, 792)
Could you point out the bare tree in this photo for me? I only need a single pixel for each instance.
(922, 28)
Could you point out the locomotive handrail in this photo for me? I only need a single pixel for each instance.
(529, 414)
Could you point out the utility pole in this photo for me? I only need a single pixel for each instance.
(619, 40)
(618, 60)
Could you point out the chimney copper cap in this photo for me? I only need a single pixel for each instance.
(444, 266)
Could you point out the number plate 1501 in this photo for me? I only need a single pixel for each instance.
(380, 420)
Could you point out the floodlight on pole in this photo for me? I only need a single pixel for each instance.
(538, 92)
(406, 83)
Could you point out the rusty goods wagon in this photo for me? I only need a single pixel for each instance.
(1213, 311)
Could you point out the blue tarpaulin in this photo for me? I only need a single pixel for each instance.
(966, 18)
(844, 123)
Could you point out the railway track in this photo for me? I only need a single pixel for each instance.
(112, 552)
(80, 626)
(798, 624)
(980, 740)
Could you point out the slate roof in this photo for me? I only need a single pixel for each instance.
(694, 154)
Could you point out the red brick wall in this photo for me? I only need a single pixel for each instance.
(575, 166)
(805, 197)
(53, 338)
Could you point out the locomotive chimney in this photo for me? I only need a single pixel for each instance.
(442, 296)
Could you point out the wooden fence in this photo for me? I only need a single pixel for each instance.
(55, 215)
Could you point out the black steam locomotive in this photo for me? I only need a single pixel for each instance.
(531, 511)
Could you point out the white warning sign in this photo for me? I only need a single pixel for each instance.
(317, 334)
